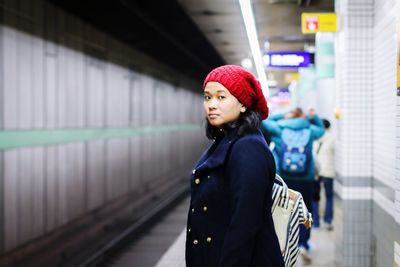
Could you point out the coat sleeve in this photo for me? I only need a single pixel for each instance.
(249, 167)
(276, 117)
(271, 127)
(317, 127)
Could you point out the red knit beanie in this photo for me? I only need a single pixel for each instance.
(241, 84)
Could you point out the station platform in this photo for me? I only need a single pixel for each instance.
(322, 254)
(164, 244)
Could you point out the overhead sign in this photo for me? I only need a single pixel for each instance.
(286, 59)
(318, 22)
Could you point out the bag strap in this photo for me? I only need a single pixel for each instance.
(280, 180)
(280, 194)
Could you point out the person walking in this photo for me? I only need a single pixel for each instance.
(231, 186)
(292, 135)
(325, 151)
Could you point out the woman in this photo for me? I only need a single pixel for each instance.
(229, 220)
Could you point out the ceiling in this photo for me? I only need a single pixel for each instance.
(159, 28)
(194, 36)
(277, 21)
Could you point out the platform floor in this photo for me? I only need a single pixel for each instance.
(322, 253)
(164, 245)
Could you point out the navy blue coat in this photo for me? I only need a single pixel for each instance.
(229, 220)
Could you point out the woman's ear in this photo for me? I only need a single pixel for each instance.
(243, 109)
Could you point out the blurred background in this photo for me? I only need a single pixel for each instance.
(102, 122)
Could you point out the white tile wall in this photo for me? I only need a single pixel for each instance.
(396, 9)
(366, 92)
(354, 47)
(384, 104)
(354, 145)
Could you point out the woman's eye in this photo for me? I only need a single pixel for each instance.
(221, 97)
(206, 97)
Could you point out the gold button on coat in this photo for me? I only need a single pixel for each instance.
(195, 241)
(205, 208)
(197, 181)
(208, 239)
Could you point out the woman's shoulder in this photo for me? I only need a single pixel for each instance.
(251, 150)
(251, 141)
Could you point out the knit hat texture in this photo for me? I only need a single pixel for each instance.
(241, 84)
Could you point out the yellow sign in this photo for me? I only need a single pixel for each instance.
(291, 77)
(318, 22)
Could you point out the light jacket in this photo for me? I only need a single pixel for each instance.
(326, 154)
(229, 220)
(274, 126)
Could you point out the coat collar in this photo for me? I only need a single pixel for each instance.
(216, 153)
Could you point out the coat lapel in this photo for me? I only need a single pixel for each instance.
(212, 159)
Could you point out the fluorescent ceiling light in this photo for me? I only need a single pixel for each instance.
(247, 63)
(267, 45)
(248, 17)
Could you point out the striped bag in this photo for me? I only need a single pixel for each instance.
(288, 212)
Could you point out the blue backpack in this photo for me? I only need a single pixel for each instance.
(296, 152)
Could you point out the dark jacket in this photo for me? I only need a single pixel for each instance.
(229, 220)
(275, 124)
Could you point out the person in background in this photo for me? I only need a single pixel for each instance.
(293, 134)
(325, 151)
(231, 186)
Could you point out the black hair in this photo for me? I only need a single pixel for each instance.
(248, 122)
(326, 123)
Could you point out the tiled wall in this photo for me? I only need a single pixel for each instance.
(354, 87)
(384, 134)
(354, 84)
(367, 162)
(396, 11)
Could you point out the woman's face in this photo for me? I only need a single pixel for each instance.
(220, 106)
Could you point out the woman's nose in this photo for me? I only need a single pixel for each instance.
(212, 104)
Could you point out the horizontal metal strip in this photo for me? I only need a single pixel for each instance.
(354, 181)
(352, 192)
(27, 138)
(386, 188)
(365, 193)
(384, 203)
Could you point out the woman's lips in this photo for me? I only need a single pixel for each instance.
(213, 116)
